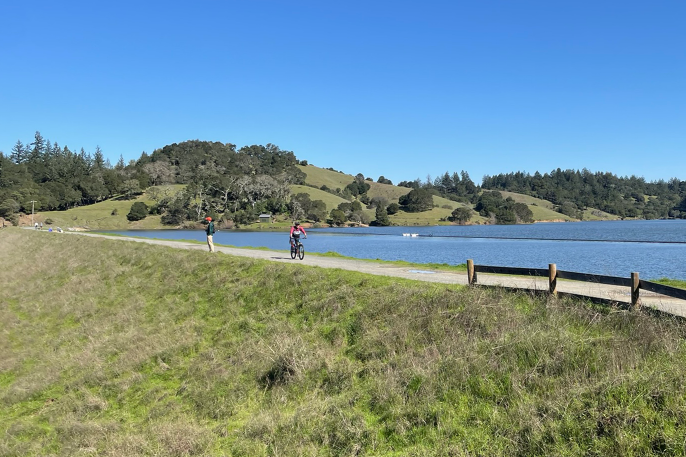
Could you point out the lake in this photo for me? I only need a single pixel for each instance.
(654, 249)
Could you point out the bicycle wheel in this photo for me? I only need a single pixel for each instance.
(293, 252)
(301, 251)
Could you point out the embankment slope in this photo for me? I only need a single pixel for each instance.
(118, 348)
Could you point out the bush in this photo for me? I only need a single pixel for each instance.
(460, 215)
(138, 211)
(49, 221)
(114, 212)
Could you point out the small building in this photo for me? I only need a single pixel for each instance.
(265, 217)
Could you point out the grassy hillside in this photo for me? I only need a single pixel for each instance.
(99, 215)
(543, 209)
(113, 348)
(320, 177)
(332, 201)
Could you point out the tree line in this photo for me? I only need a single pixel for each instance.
(57, 178)
(219, 179)
(573, 191)
(239, 184)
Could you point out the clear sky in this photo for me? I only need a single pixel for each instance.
(402, 89)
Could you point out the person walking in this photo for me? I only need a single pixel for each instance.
(210, 233)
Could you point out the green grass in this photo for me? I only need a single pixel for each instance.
(671, 282)
(321, 177)
(99, 215)
(542, 209)
(593, 214)
(113, 348)
(331, 201)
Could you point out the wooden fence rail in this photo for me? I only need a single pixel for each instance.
(553, 274)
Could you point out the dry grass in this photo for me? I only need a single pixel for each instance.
(111, 348)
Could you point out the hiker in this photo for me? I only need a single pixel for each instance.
(210, 232)
(36, 226)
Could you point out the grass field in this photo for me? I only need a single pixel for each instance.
(331, 201)
(321, 177)
(541, 209)
(113, 348)
(99, 215)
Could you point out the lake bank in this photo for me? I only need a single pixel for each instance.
(136, 349)
(655, 249)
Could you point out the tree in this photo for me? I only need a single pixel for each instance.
(98, 159)
(303, 202)
(461, 215)
(131, 187)
(9, 207)
(383, 180)
(138, 211)
(317, 211)
(337, 217)
(19, 153)
(375, 202)
(523, 213)
(393, 208)
(417, 200)
(382, 217)
(489, 202)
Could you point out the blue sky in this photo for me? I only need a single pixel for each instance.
(394, 88)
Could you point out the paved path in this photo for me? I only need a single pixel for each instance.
(593, 290)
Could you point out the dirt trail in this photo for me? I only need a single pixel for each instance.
(593, 290)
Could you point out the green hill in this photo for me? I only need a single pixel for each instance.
(332, 201)
(544, 210)
(318, 177)
(541, 209)
(115, 348)
(321, 177)
(109, 214)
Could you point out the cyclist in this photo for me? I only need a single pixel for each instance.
(296, 231)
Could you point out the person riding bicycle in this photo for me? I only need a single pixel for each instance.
(296, 231)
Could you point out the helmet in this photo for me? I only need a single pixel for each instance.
(296, 223)
(208, 218)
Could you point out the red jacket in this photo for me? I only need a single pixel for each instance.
(299, 228)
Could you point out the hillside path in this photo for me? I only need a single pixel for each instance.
(593, 290)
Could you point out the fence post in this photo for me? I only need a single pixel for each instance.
(471, 274)
(552, 279)
(635, 302)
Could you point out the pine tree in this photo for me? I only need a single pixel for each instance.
(98, 159)
(18, 154)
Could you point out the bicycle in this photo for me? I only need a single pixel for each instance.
(297, 249)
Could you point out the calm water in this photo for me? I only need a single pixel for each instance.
(654, 249)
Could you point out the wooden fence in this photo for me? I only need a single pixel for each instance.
(553, 274)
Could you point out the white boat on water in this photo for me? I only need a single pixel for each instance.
(414, 234)
(406, 234)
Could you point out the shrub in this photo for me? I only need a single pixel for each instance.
(138, 211)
